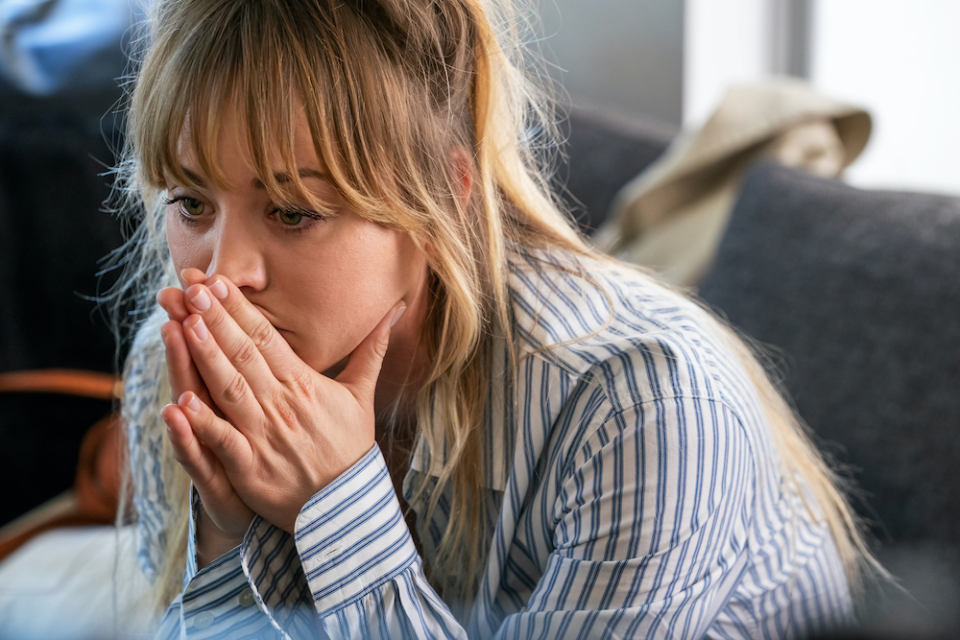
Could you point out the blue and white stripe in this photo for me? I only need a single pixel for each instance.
(637, 490)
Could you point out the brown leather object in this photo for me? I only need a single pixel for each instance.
(96, 488)
(89, 384)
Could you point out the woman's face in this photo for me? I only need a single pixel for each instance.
(323, 283)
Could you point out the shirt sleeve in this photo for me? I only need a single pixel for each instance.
(650, 527)
(364, 574)
(145, 435)
(351, 571)
(216, 601)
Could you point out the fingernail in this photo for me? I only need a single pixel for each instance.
(219, 289)
(397, 314)
(193, 403)
(198, 327)
(163, 335)
(201, 301)
(163, 414)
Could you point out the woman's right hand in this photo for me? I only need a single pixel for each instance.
(223, 517)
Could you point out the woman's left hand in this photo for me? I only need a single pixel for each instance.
(286, 431)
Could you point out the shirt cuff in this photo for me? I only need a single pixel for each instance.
(351, 536)
(272, 565)
(218, 602)
(218, 597)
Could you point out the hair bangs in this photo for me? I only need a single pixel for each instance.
(267, 97)
(184, 81)
(195, 75)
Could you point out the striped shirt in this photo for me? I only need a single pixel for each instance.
(637, 490)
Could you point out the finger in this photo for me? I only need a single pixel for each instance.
(226, 444)
(171, 300)
(279, 357)
(361, 373)
(205, 470)
(181, 371)
(240, 349)
(191, 276)
(195, 459)
(228, 388)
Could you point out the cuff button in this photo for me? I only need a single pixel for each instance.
(203, 620)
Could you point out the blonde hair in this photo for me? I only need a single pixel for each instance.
(391, 88)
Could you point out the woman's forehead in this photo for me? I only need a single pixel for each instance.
(203, 150)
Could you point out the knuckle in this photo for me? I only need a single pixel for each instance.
(215, 317)
(224, 442)
(235, 390)
(245, 353)
(286, 414)
(302, 384)
(380, 348)
(262, 335)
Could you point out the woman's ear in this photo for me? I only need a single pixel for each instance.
(462, 164)
(463, 169)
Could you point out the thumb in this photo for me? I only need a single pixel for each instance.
(361, 373)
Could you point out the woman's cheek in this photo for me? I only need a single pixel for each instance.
(175, 242)
(331, 342)
(186, 250)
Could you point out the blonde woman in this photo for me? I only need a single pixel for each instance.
(407, 398)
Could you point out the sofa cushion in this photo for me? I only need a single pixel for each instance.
(861, 291)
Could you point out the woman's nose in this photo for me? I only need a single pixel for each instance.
(237, 254)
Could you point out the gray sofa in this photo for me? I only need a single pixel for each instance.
(858, 292)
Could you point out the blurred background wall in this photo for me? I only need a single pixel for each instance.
(902, 59)
(672, 59)
(668, 60)
(623, 55)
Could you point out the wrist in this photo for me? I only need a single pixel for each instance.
(212, 542)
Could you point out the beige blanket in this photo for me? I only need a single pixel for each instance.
(672, 216)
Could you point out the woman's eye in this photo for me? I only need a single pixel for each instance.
(192, 206)
(189, 207)
(290, 217)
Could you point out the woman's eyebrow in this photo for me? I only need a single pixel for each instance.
(196, 179)
(283, 177)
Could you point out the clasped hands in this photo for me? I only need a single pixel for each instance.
(257, 430)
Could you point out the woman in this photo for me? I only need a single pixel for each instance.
(409, 399)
